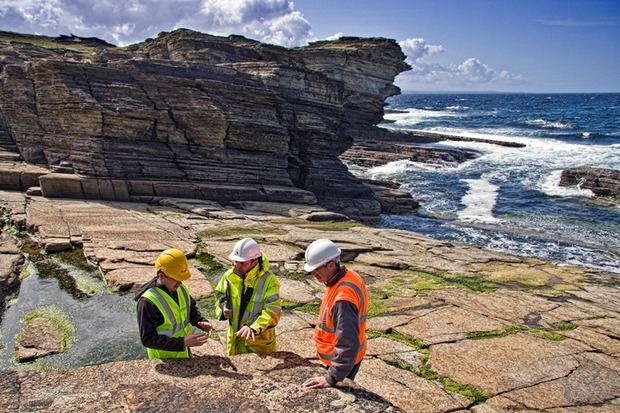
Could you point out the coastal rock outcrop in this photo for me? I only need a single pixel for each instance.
(602, 182)
(190, 115)
(452, 327)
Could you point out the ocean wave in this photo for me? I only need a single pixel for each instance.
(550, 185)
(416, 116)
(546, 124)
(398, 168)
(479, 201)
(518, 187)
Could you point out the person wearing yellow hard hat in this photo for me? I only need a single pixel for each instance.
(248, 296)
(167, 315)
(340, 332)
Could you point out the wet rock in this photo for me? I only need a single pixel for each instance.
(39, 339)
(11, 262)
(602, 182)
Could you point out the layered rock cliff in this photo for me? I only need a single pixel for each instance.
(191, 115)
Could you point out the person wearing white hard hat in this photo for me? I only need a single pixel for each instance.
(167, 314)
(340, 332)
(248, 296)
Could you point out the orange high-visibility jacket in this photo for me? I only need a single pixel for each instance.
(350, 288)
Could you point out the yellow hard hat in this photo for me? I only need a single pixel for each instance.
(173, 263)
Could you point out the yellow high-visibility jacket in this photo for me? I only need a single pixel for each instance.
(255, 301)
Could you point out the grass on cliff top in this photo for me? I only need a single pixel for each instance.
(45, 42)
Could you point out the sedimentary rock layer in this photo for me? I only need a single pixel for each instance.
(192, 115)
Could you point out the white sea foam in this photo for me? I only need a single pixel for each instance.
(535, 216)
(396, 169)
(416, 116)
(479, 201)
(550, 185)
(546, 124)
(540, 155)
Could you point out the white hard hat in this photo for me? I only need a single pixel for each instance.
(245, 250)
(320, 252)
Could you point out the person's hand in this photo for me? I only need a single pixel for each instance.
(195, 339)
(246, 332)
(227, 311)
(317, 382)
(206, 326)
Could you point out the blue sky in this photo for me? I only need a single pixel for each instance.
(452, 45)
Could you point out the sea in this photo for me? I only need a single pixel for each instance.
(508, 199)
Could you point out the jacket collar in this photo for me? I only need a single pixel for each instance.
(336, 277)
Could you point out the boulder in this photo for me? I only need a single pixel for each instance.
(602, 182)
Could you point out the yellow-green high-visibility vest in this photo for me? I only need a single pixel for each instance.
(176, 319)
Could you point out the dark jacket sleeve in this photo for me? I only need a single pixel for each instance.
(345, 318)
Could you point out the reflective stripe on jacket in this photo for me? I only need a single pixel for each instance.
(349, 288)
(262, 312)
(176, 319)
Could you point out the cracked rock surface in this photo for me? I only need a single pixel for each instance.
(454, 328)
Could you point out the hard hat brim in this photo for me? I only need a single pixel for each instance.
(183, 276)
(310, 268)
(238, 258)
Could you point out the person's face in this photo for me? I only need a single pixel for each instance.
(170, 283)
(242, 268)
(324, 272)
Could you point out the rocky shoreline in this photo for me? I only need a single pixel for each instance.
(453, 327)
(123, 152)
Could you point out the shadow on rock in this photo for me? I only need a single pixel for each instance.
(201, 365)
(288, 360)
(363, 394)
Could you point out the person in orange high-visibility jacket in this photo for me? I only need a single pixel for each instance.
(340, 333)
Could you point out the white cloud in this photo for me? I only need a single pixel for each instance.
(564, 22)
(417, 49)
(270, 21)
(428, 75)
(131, 21)
(473, 70)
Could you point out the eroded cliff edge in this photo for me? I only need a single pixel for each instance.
(196, 116)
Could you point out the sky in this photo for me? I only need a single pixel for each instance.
(539, 46)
